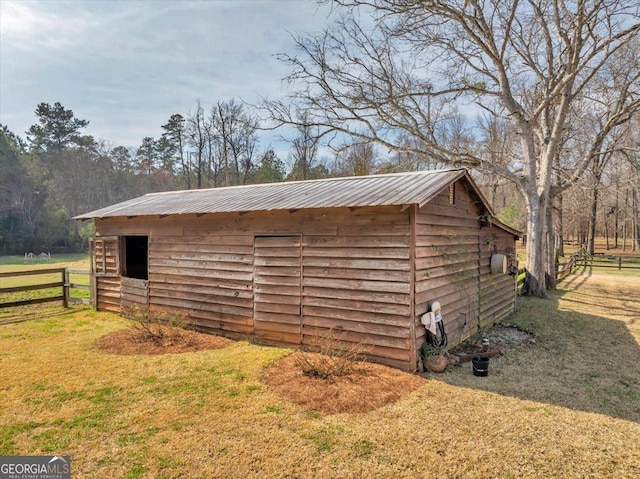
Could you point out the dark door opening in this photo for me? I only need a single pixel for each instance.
(136, 255)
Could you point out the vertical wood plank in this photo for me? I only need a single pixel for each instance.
(277, 289)
(413, 346)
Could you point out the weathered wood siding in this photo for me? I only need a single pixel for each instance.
(134, 296)
(447, 262)
(207, 278)
(195, 272)
(108, 294)
(220, 272)
(497, 290)
(277, 289)
(356, 284)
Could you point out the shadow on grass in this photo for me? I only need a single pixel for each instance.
(20, 314)
(580, 361)
(580, 277)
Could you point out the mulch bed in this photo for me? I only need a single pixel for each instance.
(131, 341)
(367, 387)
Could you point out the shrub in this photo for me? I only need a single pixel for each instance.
(336, 357)
(161, 328)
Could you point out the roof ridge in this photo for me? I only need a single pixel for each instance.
(318, 180)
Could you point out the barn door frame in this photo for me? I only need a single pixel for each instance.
(104, 262)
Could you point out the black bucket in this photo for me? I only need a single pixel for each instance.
(480, 366)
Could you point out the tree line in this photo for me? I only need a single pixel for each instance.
(57, 173)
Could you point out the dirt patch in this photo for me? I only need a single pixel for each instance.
(502, 337)
(175, 340)
(367, 387)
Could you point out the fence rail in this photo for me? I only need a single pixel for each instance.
(565, 269)
(64, 283)
(576, 260)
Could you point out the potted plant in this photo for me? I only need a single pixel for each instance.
(433, 358)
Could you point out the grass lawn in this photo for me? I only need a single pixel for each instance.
(567, 406)
(10, 264)
(56, 260)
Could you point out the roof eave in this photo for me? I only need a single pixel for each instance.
(505, 227)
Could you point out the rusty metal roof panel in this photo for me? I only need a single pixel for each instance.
(358, 191)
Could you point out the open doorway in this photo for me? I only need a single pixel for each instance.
(136, 257)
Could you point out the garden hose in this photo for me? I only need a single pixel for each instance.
(440, 338)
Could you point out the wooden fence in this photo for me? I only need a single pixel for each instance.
(565, 269)
(582, 258)
(64, 283)
(600, 260)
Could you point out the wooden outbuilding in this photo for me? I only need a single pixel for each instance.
(285, 263)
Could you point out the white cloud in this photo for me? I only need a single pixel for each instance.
(126, 66)
(28, 26)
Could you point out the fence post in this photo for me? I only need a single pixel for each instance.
(620, 263)
(65, 288)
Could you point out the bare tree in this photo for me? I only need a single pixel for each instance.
(357, 159)
(631, 156)
(304, 151)
(496, 143)
(409, 157)
(235, 131)
(524, 61)
(197, 139)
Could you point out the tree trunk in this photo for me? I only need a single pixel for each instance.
(625, 219)
(616, 218)
(550, 246)
(591, 239)
(199, 173)
(225, 154)
(634, 220)
(559, 226)
(494, 194)
(534, 284)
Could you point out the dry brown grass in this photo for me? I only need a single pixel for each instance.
(585, 356)
(565, 407)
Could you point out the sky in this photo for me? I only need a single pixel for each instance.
(126, 66)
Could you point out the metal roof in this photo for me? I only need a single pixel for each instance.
(358, 191)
